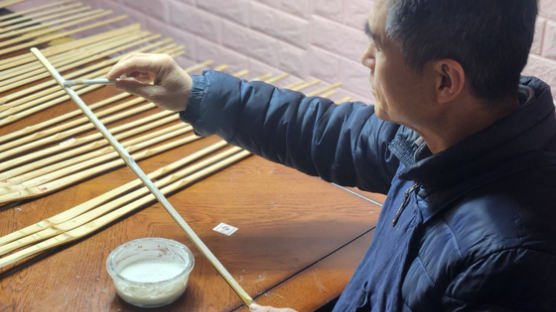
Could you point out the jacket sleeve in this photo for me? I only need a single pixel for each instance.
(345, 144)
(514, 279)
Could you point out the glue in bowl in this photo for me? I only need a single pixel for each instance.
(150, 272)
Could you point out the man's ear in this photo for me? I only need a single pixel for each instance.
(449, 79)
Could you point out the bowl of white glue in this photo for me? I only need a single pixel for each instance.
(150, 272)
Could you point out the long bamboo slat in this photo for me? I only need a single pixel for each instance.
(40, 8)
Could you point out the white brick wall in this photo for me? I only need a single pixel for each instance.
(307, 38)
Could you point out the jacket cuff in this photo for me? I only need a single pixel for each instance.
(199, 89)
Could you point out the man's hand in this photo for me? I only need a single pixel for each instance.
(258, 308)
(156, 77)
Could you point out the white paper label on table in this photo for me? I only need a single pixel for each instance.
(225, 229)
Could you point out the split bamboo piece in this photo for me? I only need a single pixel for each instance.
(32, 133)
(40, 8)
(154, 190)
(6, 3)
(45, 39)
(68, 59)
(40, 162)
(13, 193)
(80, 59)
(30, 26)
(88, 16)
(92, 71)
(68, 166)
(34, 104)
(18, 60)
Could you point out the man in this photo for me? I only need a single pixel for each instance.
(465, 149)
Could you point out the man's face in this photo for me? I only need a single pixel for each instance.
(398, 90)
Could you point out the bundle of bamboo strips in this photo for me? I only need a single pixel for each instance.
(93, 215)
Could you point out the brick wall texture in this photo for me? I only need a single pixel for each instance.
(320, 39)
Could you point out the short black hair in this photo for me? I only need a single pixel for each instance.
(491, 39)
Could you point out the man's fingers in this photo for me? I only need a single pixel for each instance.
(145, 63)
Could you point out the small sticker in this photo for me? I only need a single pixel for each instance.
(225, 229)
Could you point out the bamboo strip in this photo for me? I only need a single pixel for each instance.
(31, 131)
(82, 59)
(31, 10)
(114, 193)
(68, 56)
(27, 27)
(76, 122)
(76, 164)
(330, 87)
(43, 189)
(24, 72)
(277, 78)
(102, 67)
(83, 140)
(328, 93)
(68, 46)
(96, 14)
(345, 99)
(6, 3)
(30, 102)
(57, 159)
(69, 133)
(35, 16)
(45, 39)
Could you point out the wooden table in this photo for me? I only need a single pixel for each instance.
(299, 238)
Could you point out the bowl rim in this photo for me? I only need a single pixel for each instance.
(110, 267)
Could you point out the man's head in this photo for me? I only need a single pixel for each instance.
(491, 39)
(447, 68)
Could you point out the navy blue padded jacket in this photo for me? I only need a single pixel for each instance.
(472, 228)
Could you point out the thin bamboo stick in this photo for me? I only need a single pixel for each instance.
(99, 68)
(31, 10)
(330, 87)
(73, 123)
(21, 28)
(77, 150)
(35, 16)
(150, 185)
(90, 160)
(328, 93)
(95, 14)
(13, 193)
(6, 3)
(67, 57)
(31, 103)
(32, 131)
(68, 46)
(114, 193)
(345, 99)
(45, 39)
(32, 76)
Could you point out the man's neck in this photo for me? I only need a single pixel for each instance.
(463, 119)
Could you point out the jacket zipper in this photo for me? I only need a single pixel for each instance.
(405, 201)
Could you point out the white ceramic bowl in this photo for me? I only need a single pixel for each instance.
(150, 272)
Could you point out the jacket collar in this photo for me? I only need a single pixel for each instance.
(528, 129)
